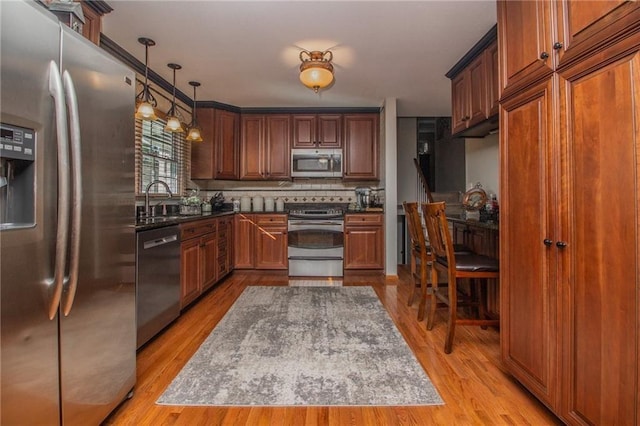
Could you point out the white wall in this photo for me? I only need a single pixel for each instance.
(390, 147)
(482, 163)
(407, 151)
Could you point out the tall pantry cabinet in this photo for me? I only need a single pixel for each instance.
(570, 221)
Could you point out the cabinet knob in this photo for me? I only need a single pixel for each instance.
(544, 55)
(557, 45)
(561, 244)
(547, 242)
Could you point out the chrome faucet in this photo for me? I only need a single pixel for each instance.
(147, 209)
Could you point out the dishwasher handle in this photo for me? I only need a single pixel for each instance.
(160, 241)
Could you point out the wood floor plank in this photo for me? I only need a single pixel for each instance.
(471, 380)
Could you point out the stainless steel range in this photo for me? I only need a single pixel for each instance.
(316, 241)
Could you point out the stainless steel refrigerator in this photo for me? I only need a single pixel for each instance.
(67, 235)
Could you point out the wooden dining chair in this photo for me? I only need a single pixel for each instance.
(419, 253)
(475, 267)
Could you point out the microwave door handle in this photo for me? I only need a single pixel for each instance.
(76, 211)
(62, 232)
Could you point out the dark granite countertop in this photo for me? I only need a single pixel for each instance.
(162, 221)
(477, 223)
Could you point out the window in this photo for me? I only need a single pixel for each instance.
(160, 155)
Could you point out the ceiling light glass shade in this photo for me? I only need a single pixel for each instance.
(146, 111)
(173, 125)
(316, 71)
(195, 135)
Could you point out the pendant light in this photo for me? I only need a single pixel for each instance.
(195, 133)
(145, 102)
(174, 122)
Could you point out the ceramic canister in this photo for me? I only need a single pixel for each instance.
(258, 203)
(280, 205)
(245, 203)
(269, 204)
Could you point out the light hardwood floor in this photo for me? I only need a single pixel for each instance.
(471, 380)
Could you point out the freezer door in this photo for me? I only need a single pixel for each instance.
(98, 336)
(29, 387)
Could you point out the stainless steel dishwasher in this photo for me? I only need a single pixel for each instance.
(157, 280)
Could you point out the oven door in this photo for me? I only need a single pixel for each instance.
(316, 247)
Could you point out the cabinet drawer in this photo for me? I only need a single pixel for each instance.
(363, 219)
(271, 219)
(197, 229)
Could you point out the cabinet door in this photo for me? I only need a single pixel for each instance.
(304, 130)
(244, 230)
(589, 25)
(271, 248)
(493, 90)
(364, 247)
(529, 320)
(190, 274)
(209, 260)
(227, 144)
(459, 102)
(477, 91)
(361, 147)
(278, 147)
(203, 153)
(600, 262)
(251, 149)
(330, 130)
(528, 54)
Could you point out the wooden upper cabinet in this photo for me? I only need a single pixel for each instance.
(93, 12)
(277, 147)
(536, 46)
(474, 89)
(265, 147)
(227, 144)
(361, 146)
(317, 131)
(216, 157)
(203, 158)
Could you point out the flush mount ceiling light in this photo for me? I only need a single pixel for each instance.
(316, 71)
(195, 134)
(174, 119)
(145, 102)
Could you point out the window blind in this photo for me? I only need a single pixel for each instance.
(161, 155)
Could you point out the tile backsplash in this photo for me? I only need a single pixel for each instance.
(299, 191)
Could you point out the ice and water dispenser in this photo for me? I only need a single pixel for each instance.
(17, 176)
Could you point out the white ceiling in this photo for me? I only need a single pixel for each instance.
(245, 53)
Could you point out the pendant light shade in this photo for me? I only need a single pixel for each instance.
(316, 70)
(195, 134)
(174, 122)
(145, 102)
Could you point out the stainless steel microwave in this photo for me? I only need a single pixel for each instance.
(319, 162)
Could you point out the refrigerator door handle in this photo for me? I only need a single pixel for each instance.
(57, 92)
(76, 202)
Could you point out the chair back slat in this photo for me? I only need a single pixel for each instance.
(438, 229)
(413, 223)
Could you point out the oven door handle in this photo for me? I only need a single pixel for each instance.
(315, 258)
(314, 223)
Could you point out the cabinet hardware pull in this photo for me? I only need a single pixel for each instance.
(547, 242)
(561, 244)
(544, 55)
(557, 45)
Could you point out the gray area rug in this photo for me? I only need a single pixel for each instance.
(303, 346)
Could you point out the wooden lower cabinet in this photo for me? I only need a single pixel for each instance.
(204, 243)
(260, 241)
(364, 241)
